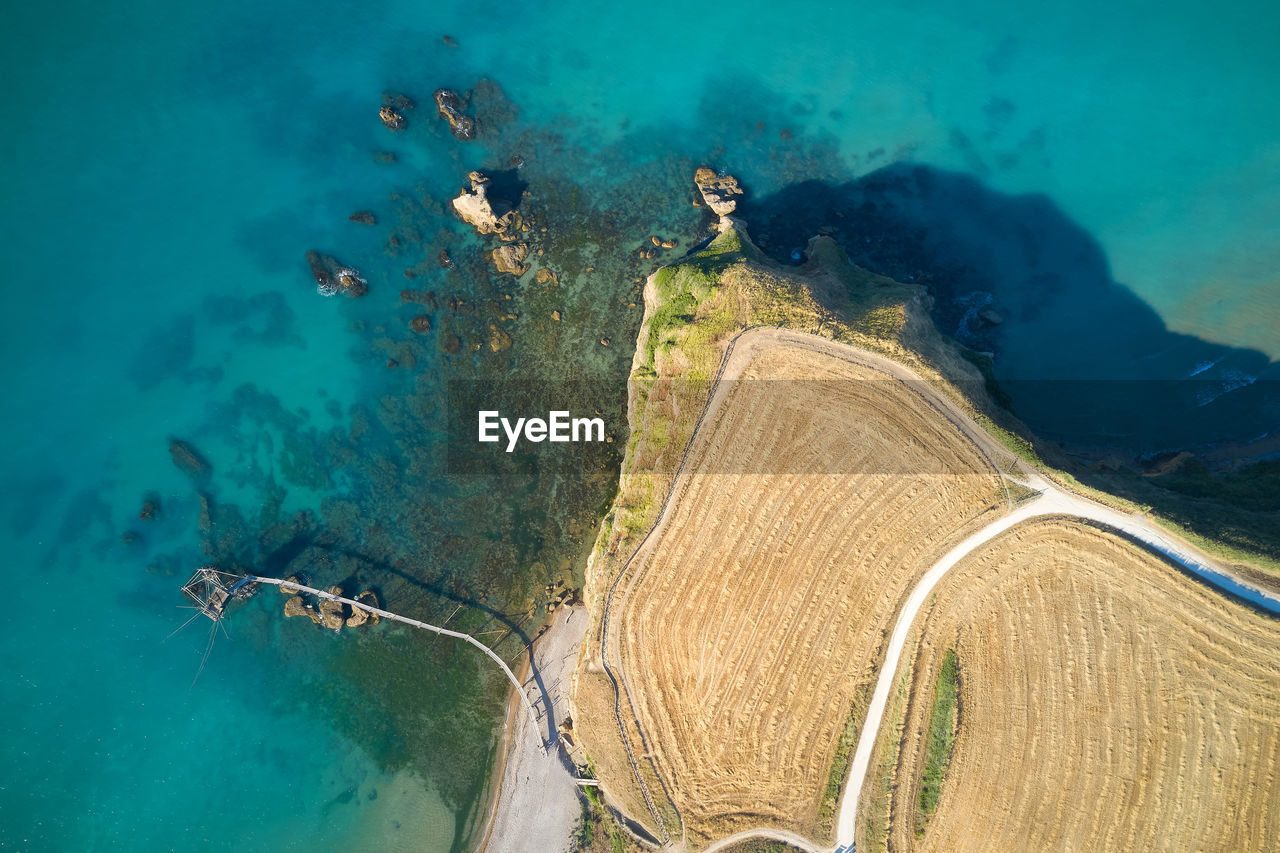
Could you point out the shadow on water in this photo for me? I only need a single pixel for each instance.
(1085, 361)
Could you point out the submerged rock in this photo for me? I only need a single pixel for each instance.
(990, 316)
(422, 297)
(499, 340)
(510, 258)
(150, 507)
(392, 119)
(449, 106)
(397, 101)
(718, 191)
(188, 460)
(420, 324)
(364, 217)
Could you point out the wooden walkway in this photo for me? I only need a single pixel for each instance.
(386, 614)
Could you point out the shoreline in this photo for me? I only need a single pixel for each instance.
(535, 804)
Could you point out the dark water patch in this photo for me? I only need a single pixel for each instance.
(964, 146)
(999, 112)
(165, 352)
(759, 134)
(1003, 56)
(86, 530)
(31, 499)
(263, 318)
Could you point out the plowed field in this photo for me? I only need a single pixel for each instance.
(761, 606)
(1106, 702)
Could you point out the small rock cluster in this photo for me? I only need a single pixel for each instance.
(333, 615)
(394, 106)
(492, 216)
(333, 277)
(449, 106)
(719, 191)
(658, 243)
(561, 595)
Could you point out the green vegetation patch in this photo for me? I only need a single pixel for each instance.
(840, 761)
(940, 738)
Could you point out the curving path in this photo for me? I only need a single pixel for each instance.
(1053, 501)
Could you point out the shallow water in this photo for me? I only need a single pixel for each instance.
(167, 167)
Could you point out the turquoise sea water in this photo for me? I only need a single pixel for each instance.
(165, 168)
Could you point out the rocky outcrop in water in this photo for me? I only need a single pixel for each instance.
(333, 277)
(718, 191)
(486, 215)
(510, 258)
(392, 119)
(449, 106)
(368, 597)
(332, 613)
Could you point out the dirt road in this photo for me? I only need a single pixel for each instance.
(1052, 502)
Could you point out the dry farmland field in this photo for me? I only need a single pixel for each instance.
(753, 620)
(1106, 702)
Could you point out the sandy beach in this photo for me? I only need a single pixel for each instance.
(538, 806)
